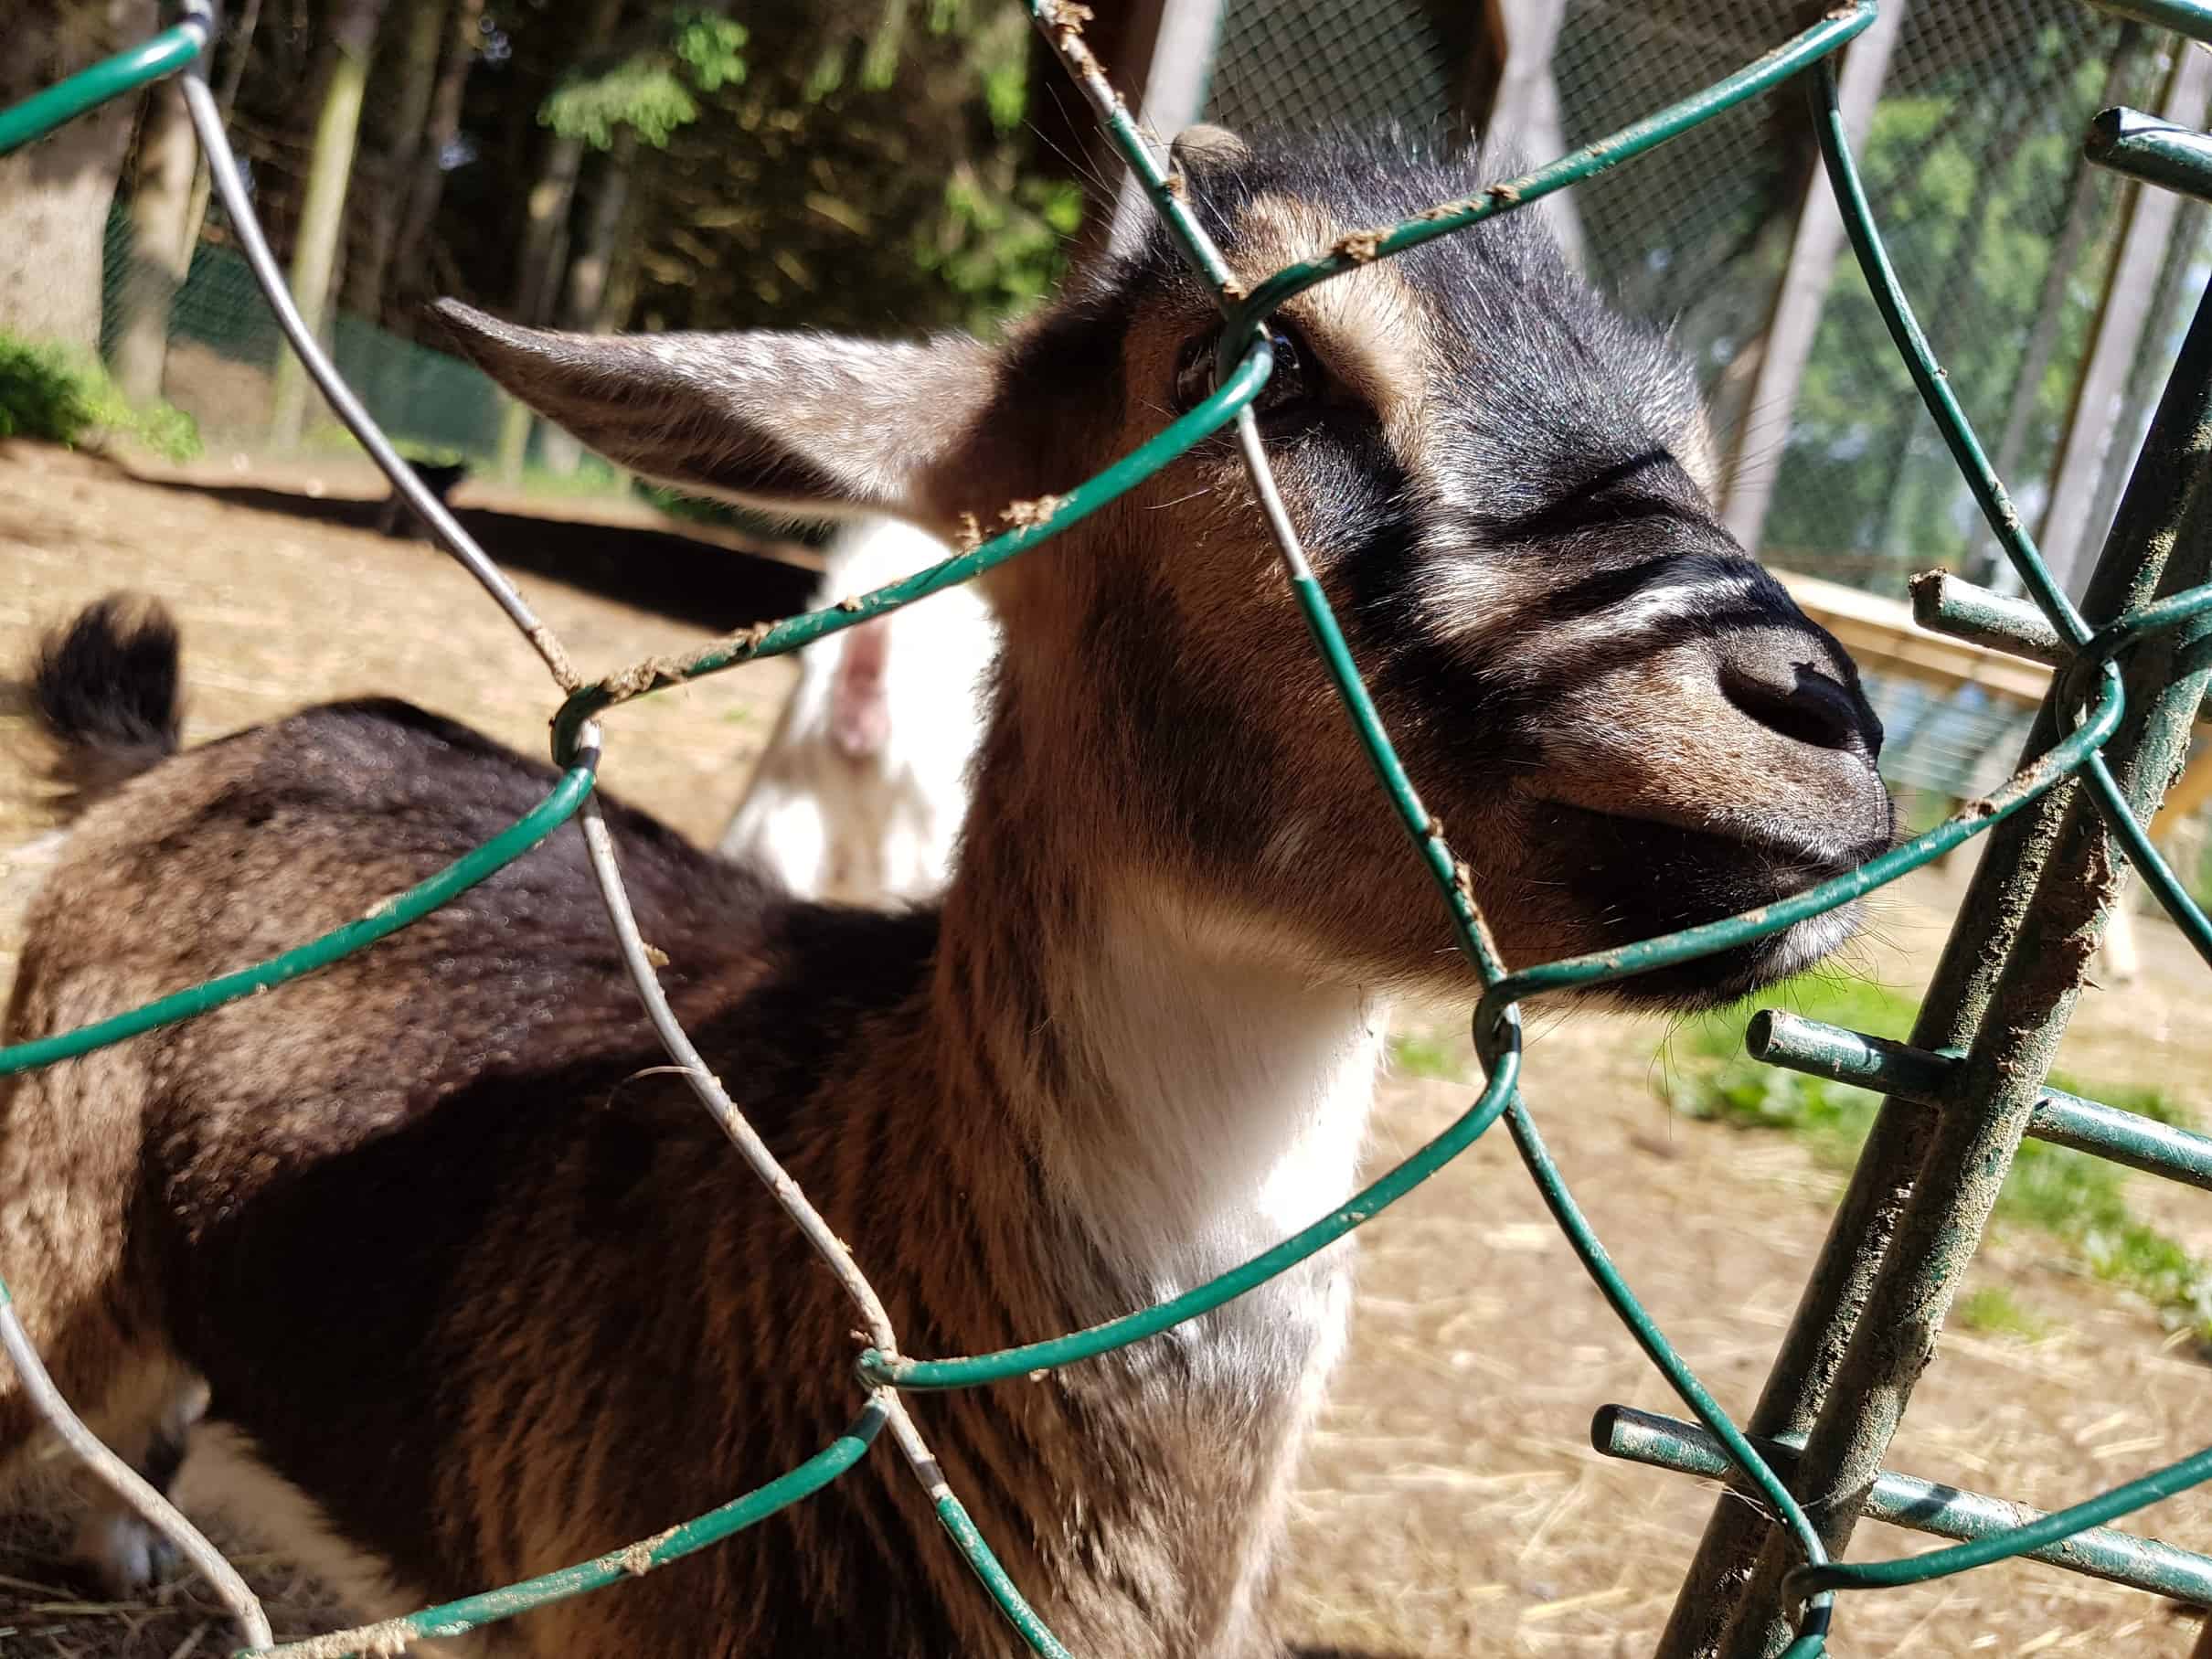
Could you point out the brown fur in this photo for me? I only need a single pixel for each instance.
(498, 1300)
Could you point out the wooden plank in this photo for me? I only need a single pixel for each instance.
(1788, 336)
(2192, 792)
(2128, 299)
(1165, 82)
(1525, 105)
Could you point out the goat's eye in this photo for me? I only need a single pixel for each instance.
(1295, 383)
(1194, 371)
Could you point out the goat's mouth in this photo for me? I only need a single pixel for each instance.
(1641, 879)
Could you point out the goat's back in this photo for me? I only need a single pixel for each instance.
(444, 1189)
(245, 847)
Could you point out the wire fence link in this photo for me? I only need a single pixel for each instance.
(2126, 684)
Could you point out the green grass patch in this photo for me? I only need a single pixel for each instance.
(2070, 1196)
(1709, 1077)
(1993, 1311)
(1416, 1053)
(55, 396)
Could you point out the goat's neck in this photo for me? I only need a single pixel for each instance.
(1187, 1096)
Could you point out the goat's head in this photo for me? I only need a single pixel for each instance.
(1505, 488)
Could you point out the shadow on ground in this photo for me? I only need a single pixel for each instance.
(702, 582)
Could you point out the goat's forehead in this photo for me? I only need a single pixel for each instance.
(1456, 340)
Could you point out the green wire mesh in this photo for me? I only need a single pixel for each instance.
(2090, 703)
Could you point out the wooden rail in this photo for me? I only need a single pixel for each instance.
(1882, 638)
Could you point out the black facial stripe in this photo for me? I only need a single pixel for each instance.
(1373, 532)
(1562, 670)
(1600, 510)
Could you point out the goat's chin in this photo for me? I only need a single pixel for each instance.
(1642, 879)
(1727, 977)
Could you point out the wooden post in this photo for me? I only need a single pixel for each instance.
(2192, 792)
(2127, 304)
(1167, 68)
(1524, 106)
(2084, 201)
(1756, 459)
(315, 244)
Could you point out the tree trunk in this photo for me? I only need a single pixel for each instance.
(55, 193)
(237, 54)
(545, 238)
(427, 185)
(581, 305)
(315, 251)
(416, 76)
(159, 202)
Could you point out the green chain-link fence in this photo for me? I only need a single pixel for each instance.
(1962, 1093)
(223, 344)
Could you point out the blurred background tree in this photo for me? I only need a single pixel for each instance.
(615, 163)
(596, 164)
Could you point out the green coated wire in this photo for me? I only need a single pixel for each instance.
(1812, 46)
(1221, 407)
(994, 1578)
(1997, 508)
(1574, 972)
(1927, 376)
(2190, 18)
(1599, 1263)
(472, 1612)
(2174, 611)
(40, 113)
(386, 918)
(1004, 1364)
(2053, 1528)
(1122, 134)
(793, 632)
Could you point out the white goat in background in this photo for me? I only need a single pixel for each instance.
(860, 793)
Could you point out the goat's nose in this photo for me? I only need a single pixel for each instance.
(1791, 692)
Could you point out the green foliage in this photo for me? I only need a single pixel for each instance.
(50, 394)
(2082, 1200)
(41, 396)
(2073, 1197)
(1993, 1311)
(712, 46)
(999, 249)
(650, 92)
(1822, 995)
(1422, 1054)
(872, 171)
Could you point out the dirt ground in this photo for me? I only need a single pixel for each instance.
(1452, 1505)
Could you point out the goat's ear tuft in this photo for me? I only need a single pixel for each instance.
(1207, 146)
(806, 423)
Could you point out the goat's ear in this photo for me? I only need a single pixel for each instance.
(800, 423)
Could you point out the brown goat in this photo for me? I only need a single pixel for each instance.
(474, 1295)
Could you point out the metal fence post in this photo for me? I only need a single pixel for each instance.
(2009, 976)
